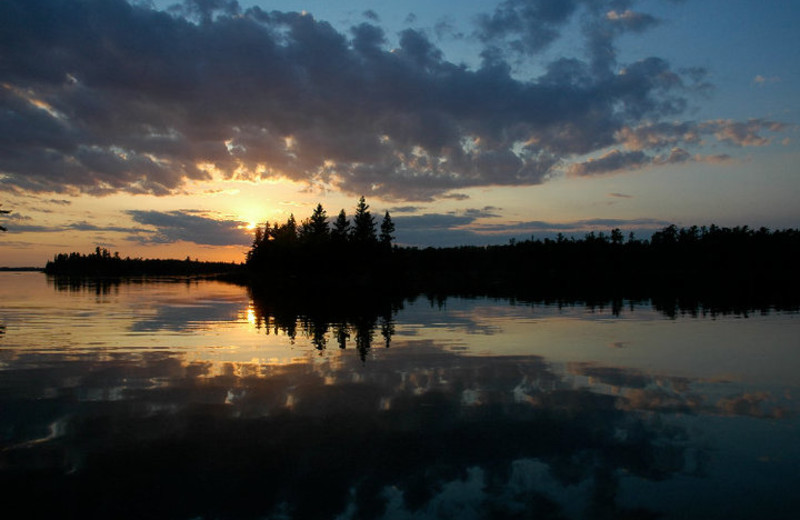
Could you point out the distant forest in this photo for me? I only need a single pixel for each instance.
(360, 254)
(103, 263)
(708, 259)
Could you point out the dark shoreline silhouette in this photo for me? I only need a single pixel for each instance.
(677, 268)
(103, 264)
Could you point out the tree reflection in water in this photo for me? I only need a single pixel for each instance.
(334, 315)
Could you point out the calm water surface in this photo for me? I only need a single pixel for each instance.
(197, 400)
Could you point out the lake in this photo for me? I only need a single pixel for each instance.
(200, 399)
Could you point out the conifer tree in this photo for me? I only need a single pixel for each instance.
(287, 233)
(363, 224)
(318, 225)
(341, 227)
(387, 230)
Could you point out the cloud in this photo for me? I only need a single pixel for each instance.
(102, 97)
(433, 221)
(742, 133)
(405, 209)
(756, 404)
(721, 158)
(86, 226)
(74, 226)
(765, 80)
(441, 229)
(610, 162)
(531, 25)
(371, 15)
(485, 212)
(464, 228)
(675, 156)
(13, 229)
(188, 226)
(658, 135)
(631, 21)
(578, 226)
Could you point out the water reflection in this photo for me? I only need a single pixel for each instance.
(325, 318)
(424, 431)
(671, 305)
(168, 404)
(100, 286)
(186, 315)
(322, 439)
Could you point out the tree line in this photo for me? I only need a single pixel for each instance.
(708, 260)
(104, 263)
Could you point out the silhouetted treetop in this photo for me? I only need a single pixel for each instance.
(363, 231)
(341, 228)
(315, 229)
(387, 230)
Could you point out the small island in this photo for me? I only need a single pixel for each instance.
(102, 263)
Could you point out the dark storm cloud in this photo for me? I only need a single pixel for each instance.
(101, 96)
(188, 226)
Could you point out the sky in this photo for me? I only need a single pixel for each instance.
(165, 130)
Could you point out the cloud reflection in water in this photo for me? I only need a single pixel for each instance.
(436, 426)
